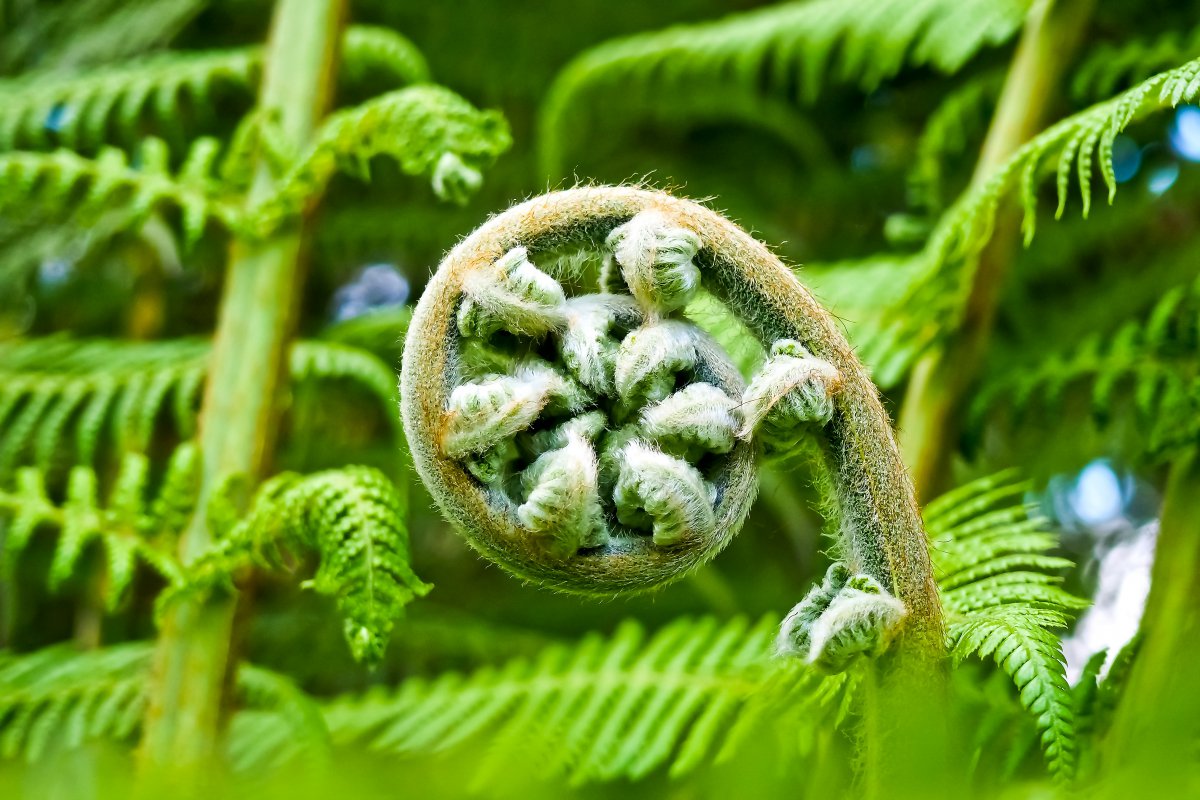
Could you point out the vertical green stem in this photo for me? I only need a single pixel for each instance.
(242, 403)
(929, 418)
(1158, 718)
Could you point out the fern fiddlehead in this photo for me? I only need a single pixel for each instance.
(601, 443)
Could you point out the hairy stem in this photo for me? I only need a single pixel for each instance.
(929, 418)
(242, 403)
(1155, 726)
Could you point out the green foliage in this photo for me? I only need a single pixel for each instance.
(751, 66)
(1113, 65)
(935, 282)
(602, 709)
(57, 388)
(131, 525)
(1152, 360)
(88, 110)
(354, 519)
(60, 696)
(1002, 600)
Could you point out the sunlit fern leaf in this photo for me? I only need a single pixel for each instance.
(1001, 600)
(427, 130)
(62, 697)
(1111, 66)
(605, 708)
(111, 104)
(90, 392)
(131, 525)
(1149, 366)
(782, 54)
(354, 519)
(51, 184)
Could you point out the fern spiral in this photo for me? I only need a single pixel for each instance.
(601, 442)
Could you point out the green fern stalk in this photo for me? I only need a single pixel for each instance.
(240, 413)
(941, 378)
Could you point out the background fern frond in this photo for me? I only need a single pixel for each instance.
(61, 696)
(172, 91)
(991, 552)
(94, 391)
(1112, 66)
(785, 53)
(278, 724)
(62, 181)
(355, 520)
(1150, 366)
(605, 708)
(945, 267)
(131, 525)
(422, 128)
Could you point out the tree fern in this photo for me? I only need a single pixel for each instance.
(113, 103)
(785, 53)
(1002, 600)
(131, 525)
(58, 389)
(354, 519)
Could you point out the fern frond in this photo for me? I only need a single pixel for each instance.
(58, 388)
(426, 130)
(86, 111)
(1070, 148)
(90, 32)
(62, 181)
(1150, 365)
(605, 708)
(991, 555)
(60, 696)
(354, 520)
(1113, 65)
(777, 55)
(131, 525)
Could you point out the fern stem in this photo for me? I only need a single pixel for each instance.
(1153, 730)
(242, 404)
(929, 418)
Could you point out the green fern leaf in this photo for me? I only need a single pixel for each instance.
(1001, 603)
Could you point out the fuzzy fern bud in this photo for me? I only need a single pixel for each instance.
(563, 499)
(656, 261)
(588, 346)
(792, 391)
(650, 358)
(482, 414)
(847, 616)
(511, 295)
(664, 493)
(454, 179)
(697, 419)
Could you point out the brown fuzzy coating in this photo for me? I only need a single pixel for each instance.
(882, 532)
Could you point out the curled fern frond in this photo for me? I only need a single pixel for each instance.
(131, 525)
(603, 709)
(417, 127)
(83, 112)
(679, 436)
(95, 390)
(1002, 600)
(784, 54)
(354, 520)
